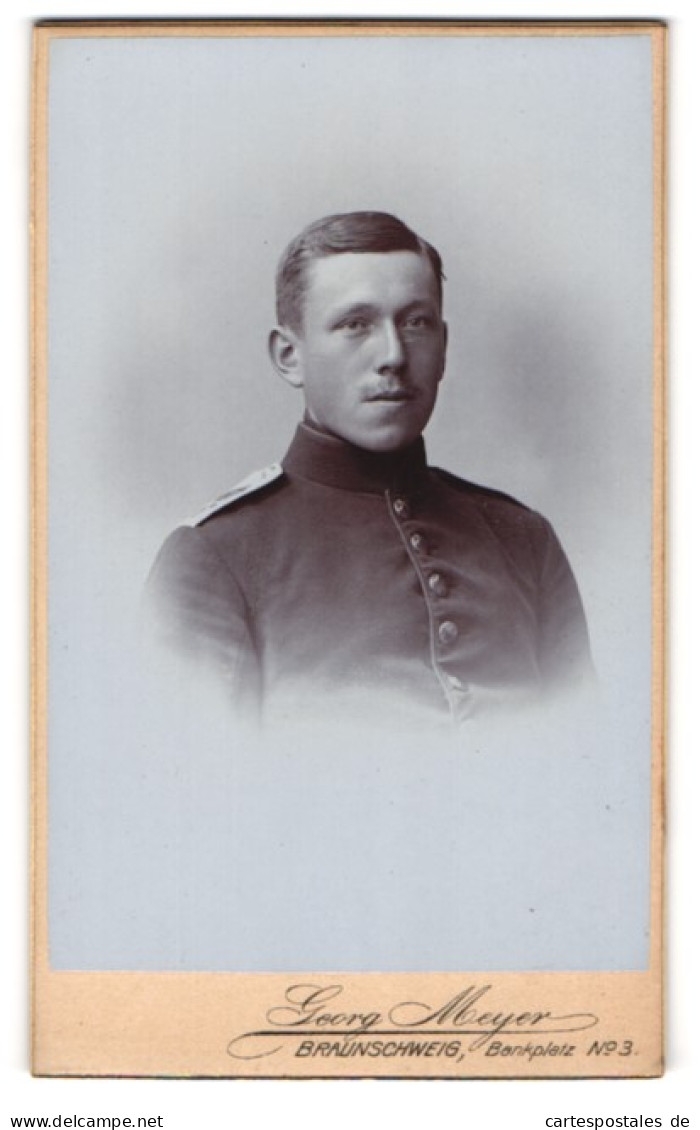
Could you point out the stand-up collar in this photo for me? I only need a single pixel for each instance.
(333, 462)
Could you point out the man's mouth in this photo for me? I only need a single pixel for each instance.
(391, 396)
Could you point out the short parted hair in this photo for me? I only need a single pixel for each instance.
(334, 235)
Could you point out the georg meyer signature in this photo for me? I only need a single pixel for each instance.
(313, 1010)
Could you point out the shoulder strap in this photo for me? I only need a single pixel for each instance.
(250, 485)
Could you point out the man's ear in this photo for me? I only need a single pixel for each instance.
(285, 356)
(444, 348)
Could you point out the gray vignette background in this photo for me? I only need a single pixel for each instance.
(179, 169)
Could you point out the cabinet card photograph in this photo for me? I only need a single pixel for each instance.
(348, 387)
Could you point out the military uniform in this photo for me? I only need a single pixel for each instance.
(348, 580)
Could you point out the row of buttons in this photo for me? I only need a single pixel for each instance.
(447, 630)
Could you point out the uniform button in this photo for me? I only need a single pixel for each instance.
(447, 632)
(417, 541)
(455, 683)
(437, 584)
(401, 507)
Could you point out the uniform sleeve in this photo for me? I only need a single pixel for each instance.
(564, 649)
(195, 608)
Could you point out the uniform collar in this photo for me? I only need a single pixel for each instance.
(333, 462)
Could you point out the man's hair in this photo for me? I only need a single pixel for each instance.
(334, 235)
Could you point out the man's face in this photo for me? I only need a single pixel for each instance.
(371, 351)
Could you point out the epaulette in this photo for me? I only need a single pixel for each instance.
(252, 483)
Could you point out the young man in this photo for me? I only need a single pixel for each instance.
(352, 579)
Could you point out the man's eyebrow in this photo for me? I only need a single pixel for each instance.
(354, 310)
(357, 309)
(418, 304)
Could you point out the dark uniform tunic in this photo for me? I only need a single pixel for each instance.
(349, 580)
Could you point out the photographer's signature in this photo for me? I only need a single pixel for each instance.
(323, 1010)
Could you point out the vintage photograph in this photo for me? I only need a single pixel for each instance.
(348, 384)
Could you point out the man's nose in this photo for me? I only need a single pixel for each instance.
(392, 354)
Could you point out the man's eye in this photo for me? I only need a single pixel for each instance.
(354, 325)
(419, 322)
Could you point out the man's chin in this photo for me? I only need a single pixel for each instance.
(381, 439)
(384, 441)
